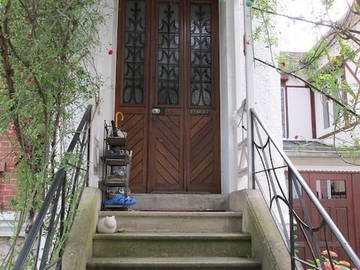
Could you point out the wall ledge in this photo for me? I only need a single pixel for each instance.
(267, 243)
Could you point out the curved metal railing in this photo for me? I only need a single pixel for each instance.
(312, 238)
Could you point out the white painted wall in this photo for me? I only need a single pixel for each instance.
(7, 225)
(294, 82)
(299, 112)
(267, 92)
(106, 67)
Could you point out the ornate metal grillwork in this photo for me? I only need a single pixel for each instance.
(133, 90)
(45, 242)
(293, 207)
(201, 64)
(168, 54)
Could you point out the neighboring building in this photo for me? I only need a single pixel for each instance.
(311, 130)
(7, 193)
(335, 183)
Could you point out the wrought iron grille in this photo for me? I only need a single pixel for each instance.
(201, 56)
(44, 243)
(168, 54)
(310, 234)
(134, 55)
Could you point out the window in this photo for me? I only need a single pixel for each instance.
(326, 115)
(331, 189)
(283, 112)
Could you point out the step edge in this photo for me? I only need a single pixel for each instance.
(166, 235)
(169, 214)
(179, 261)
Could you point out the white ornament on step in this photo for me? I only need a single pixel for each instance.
(107, 225)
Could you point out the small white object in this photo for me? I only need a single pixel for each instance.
(121, 133)
(107, 225)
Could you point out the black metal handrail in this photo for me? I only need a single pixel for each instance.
(269, 166)
(56, 208)
(273, 163)
(297, 185)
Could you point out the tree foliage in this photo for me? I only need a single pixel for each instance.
(323, 67)
(45, 81)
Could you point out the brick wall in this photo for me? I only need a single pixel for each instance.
(7, 187)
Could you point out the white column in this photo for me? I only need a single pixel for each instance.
(231, 87)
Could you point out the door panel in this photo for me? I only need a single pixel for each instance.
(166, 158)
(131, 84)
(168, 61)
(134, 125)
(203, 154)
(203, 99)
(166, 136)
(335, 192)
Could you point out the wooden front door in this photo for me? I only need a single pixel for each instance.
(337, 193)
(167, 88)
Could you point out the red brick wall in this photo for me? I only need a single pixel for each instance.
(7, 187)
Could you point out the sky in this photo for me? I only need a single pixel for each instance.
(299, 36)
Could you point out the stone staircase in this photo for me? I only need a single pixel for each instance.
(177, 237)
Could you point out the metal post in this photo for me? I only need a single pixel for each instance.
(249, 70)
(252, 150)
(291, 215)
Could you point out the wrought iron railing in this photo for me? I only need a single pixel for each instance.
(310, 234)
(45, 240)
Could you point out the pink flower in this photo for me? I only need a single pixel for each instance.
(110, 52)
(30, 79)
(296, 137)
(282, 64)
(332, 253)
(11, 131)
(329, 267)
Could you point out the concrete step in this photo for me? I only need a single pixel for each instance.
(181, 202)
(213, 263)
(172, 245)
(145, 221)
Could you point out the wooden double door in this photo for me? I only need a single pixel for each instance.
(167, 89)
(336, 192)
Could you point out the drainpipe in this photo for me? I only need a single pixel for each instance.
(249, 71)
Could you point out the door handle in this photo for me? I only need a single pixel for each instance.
(158, 111)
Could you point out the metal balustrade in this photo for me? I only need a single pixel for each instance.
(44, 242)
(307, 229)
